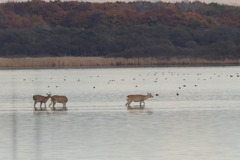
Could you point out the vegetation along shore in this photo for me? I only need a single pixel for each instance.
(172, 33)
(78, 62)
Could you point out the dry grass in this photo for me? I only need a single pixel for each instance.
(72, 62)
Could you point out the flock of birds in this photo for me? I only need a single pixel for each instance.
(159, 76)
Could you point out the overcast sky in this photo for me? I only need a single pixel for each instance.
(209, 1)
(230, 2)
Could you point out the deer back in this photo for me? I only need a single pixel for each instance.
(136, 98)
(59, 99)
(40, 98)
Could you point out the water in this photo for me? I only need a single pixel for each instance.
(201, 123)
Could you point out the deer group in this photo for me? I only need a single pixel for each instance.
(63, 99)
(54, 99)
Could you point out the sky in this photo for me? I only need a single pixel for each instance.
(232, 2)
(229, 2)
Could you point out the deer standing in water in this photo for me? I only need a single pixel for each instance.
(41, 99)
(137, 98)
(58, 99)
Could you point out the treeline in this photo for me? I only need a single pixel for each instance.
(137, 41)
(46, 15)
(134, 29)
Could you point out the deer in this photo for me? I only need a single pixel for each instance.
(58, 99)
(137, 98)
(41, 99)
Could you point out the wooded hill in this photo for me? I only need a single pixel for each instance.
(134, 29)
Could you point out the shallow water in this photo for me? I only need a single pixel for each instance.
(201, 123)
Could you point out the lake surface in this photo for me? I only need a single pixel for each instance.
(202, 122)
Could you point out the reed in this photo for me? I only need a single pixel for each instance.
(74, 62)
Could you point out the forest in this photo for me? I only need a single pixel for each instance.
(120, 29)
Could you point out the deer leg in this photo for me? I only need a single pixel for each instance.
(50, 104)
(64, 107)
(54, 105)
(41, 105)
(35, 105)
(128, 103)
(144, 104)
(129, 108)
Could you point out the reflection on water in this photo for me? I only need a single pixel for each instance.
(40, 109)
(51, 108)
(136, 108)
(201, 123)
(139, 110)
(59, 109)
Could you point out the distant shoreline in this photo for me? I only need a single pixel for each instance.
(101, 62)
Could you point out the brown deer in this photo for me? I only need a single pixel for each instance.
(137, 98)
(58, 99)
(41, 99)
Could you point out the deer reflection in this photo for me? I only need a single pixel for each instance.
(38, 113)
(52, 109)
(61, 109)
(43, 109)
(137, 110)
